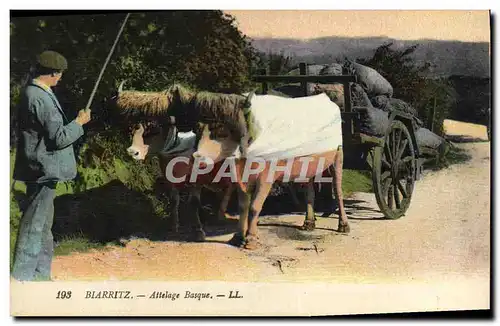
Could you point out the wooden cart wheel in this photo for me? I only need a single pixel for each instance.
(394, 171)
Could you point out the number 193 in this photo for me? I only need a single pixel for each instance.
(63, 294)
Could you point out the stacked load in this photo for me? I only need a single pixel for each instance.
(371, 91)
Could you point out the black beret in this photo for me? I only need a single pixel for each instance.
(52, 60)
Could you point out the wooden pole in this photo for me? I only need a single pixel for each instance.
(303, 71)
(106, 63)
(432, 115)
(265, 86)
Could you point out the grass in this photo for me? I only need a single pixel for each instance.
(457, 155)
(454, 155)
(77, 243)
(356, 181)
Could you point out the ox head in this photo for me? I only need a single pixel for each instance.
(150, 138)
(139, 149)
(214, 142)
(220, 138)
(150, 131)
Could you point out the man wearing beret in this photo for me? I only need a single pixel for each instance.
(44, 157)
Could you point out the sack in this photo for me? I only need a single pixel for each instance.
(334, 91)
(317, 70)
(359, 96)
(373, 82)
(390, 104)
(312, 70)
(375, 122)
(334, 69)
(426, 138)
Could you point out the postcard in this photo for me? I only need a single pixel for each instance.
(250, 162)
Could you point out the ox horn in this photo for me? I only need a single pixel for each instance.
(120, 88)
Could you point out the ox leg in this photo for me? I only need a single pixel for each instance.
(310, 221)
(221, 214)
(244, 197)
(194, 203)
(337, 190)
(244, 134)
(252, 238)
(174, 209)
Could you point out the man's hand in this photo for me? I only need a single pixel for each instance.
(83, 117)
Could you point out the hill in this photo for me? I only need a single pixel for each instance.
(448, 57)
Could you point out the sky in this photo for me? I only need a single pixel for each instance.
(458, 25)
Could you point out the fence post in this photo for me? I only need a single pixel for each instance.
(348, 108)
(432, 116)
(303, 72)
(265, 86)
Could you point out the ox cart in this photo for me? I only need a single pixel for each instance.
(395, 160)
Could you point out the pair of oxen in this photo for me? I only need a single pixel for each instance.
(223, 125)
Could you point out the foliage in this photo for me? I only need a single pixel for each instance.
(473, 98)
(411, 83)
(438, 97)
(274, 63)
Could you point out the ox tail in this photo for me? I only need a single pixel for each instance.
(336, 179)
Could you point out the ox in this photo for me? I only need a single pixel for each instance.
(164, 143)
(223, 126)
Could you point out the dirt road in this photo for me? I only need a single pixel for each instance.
(445, 236)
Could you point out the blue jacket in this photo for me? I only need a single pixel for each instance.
(44, 148)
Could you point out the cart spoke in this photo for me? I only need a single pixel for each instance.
(402, 189)
(396, 196)
(390, 197)
(401, 149)
(399, 137)
(407, 159)
(393, 143)
(386, 164)
(388, 153)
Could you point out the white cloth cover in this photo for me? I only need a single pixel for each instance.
(289, 127)
(294, 127)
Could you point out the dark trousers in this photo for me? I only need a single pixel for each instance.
(35, 245)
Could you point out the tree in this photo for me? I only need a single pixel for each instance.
(400, 69)
(412, 84)
(202, 49)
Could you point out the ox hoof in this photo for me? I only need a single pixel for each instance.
(344, 228)
(252, 243)
(237, 240)
(198, 236)
(308, 225)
